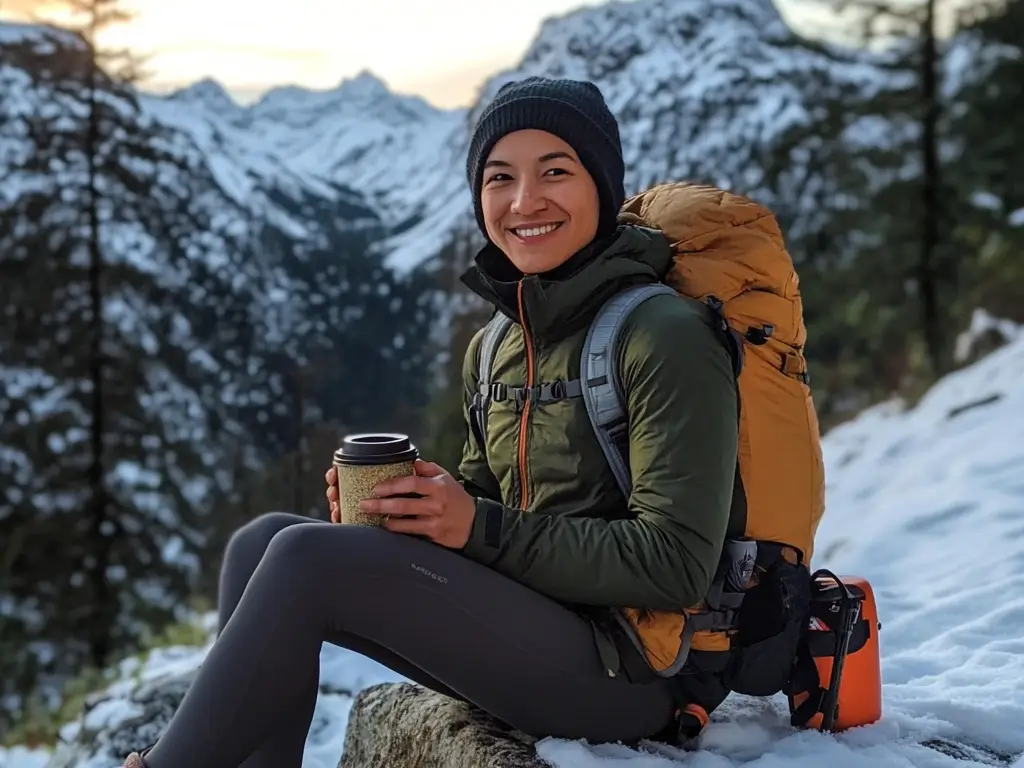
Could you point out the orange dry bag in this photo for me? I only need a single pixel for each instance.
(837, 680)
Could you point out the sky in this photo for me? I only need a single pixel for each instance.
(439, 49)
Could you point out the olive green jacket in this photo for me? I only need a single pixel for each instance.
(549, 513)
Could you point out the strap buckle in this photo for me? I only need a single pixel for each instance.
(499, 391)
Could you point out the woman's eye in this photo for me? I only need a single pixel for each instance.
(555, 172)
(499, 177)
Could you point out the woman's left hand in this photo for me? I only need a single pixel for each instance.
(444, 514)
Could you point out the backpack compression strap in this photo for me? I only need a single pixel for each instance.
(602, 389)
(494, 332)
(488, 390)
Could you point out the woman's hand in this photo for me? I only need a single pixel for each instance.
(444, 513)
(332, 494)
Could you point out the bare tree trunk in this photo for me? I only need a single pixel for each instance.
(99, 550)
(931, 184)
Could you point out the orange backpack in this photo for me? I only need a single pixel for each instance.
(781, 627)
(729, 253)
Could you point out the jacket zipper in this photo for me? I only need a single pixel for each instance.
(528, 343)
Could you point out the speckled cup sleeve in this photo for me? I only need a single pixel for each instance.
(356, 483)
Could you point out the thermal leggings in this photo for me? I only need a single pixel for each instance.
(289, 583)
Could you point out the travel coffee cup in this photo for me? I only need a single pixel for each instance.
(363, 461)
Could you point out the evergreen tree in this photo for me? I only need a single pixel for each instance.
(989, 160)
(915, 211)
(124, 300)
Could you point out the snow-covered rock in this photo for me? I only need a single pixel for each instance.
(123, 721)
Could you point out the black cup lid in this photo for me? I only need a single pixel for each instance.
(375, 448)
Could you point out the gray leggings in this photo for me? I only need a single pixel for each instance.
(289, 583)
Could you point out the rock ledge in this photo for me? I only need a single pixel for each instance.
(402, 725)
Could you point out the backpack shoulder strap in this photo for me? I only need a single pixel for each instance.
(602, 389)
(493, 334)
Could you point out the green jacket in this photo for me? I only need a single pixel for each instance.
(549, 513)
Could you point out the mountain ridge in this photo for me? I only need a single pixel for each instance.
(703, 91)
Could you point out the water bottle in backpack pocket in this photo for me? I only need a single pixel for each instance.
(771, 622)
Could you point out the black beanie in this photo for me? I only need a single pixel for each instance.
(573, 110)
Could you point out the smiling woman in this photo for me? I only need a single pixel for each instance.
(546, 175)
(540, 204)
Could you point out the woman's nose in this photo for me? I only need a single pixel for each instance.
(527, 200)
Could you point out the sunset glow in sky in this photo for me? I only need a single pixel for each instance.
(440, 49)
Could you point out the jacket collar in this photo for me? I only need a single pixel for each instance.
(558, 303)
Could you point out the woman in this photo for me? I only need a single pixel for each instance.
(490, 598)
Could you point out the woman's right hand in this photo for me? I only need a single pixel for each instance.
(332, 494)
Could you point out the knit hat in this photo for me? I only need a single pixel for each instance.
(573, 110)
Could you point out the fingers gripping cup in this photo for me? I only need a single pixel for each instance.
(363, 461)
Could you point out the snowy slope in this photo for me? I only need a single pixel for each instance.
(927, 504)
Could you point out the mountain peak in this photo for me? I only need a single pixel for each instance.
(206, 93)
(362, 96)
(362, 85)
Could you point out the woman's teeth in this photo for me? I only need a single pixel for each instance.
(536, 231)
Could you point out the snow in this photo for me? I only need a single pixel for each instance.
(42, 35)
(208, 93)
(981, 323)
(395, 150)
(924, 501)
(1017, 218)
(20, 757)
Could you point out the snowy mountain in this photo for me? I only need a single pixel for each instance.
(396, 151)
(702, 89)
(923, 501)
